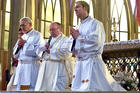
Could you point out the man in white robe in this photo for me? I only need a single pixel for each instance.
(25, 51)
(55, 71)
(90, 72)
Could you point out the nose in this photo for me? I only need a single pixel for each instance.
(75, 9)
(22, 28)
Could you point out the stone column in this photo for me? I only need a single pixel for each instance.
(71, 13)
(132, 25)
(17, 12)
(37, 15)
(0, 24)
(30, 10)
(0, 4)
(65, 16)
(102, 13)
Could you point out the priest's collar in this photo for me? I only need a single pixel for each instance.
(84, 20)
(29, 31)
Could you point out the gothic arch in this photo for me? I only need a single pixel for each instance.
(132, 25)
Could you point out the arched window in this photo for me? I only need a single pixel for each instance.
(51, 11)
(76, 20)
(133, 5)
(5, 19)
(119, 21)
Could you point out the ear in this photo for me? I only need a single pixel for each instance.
(86, 8)
(30, 24)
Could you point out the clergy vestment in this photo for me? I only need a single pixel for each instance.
(55, 71)
(27, 70)
(90, 72)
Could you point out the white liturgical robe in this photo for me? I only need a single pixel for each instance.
(90, 72)
(55, 71)
(27, 69)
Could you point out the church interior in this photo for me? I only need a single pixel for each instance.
(122, 45)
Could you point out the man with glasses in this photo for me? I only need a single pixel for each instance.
(25, 51)
(55, 71)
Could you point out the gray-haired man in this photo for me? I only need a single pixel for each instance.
(27, 70)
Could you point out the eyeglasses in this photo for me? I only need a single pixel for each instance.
(53, 29)
(23, 25)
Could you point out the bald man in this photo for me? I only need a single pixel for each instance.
(55, 71)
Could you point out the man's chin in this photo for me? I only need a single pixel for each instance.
(77, 15)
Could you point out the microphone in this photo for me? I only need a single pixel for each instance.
(49, 40)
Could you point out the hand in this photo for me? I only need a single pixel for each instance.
(74, 33)
(14, 59)
(21, 43)
(48, 51)
(47, 45)
(14, 62)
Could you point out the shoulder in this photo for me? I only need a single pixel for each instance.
(35, 32)
(96, 22)
(64, 37)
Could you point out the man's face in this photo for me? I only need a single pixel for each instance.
(25, 26)
(79, 10)
(54, 30)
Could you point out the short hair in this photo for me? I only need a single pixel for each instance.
(26, 19)
(84, 4)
